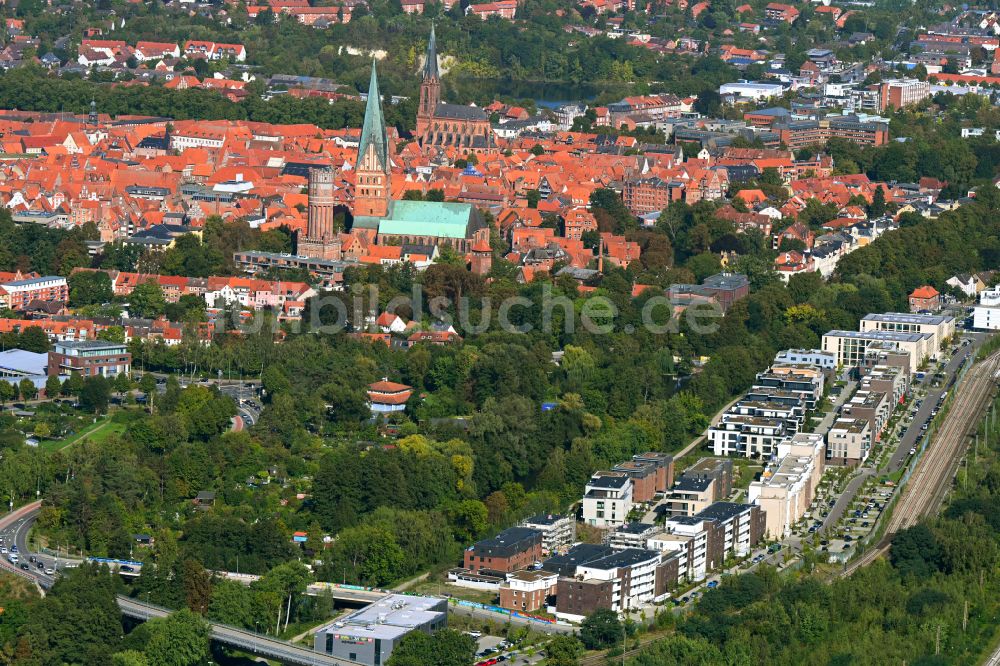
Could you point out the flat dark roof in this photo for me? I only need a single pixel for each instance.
(721, 511)
(509, 542)
(582, 553)
(624, 558)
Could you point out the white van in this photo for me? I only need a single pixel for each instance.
(12, 558)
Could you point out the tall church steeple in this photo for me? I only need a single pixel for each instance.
(430, 87)
(371, 189)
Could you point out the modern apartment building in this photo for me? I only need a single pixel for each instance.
(557, 531)
(708, 537)
(741, 526)
(818, 357)
(787, 487)
(632, 535)
(873, 406)
(986, 314)
(747, 436)
(607, 499)
(806, 380)
(719, 471)
(851, 346)
(690, 495)
(621, 581)
(848, 442)
(90, 358)
(941, 327)
(888, 379)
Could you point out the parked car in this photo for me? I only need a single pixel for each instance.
(712, 584)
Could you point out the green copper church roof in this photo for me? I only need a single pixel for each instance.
(431, 61)
(373, 129)
(427, 218)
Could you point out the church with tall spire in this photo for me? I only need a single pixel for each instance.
(371, 188)
(441, 125)
(392, 222)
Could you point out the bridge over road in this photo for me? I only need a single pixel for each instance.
(241, 639)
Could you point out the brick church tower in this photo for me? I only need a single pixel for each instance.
(371, 188)
(430, 88)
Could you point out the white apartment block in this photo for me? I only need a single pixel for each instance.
(688, 534)
(557, 531)
(607, 499)
(986, 315)
(746, 436)
(817, 357)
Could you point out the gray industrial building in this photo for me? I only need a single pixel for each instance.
(369, 635)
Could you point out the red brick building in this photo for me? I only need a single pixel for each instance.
(90, 358)
(924, 298)
(650, 195)
(527, 590)
(513, 549)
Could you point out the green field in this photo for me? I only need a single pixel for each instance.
(98, 432)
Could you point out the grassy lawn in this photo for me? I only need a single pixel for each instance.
(98, 432)
(745, 471)
(437, 586)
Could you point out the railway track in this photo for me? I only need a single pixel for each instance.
(933, 475)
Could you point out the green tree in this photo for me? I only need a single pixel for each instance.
(34, 339)
(446, 647)
(197, 586)
(147, 300)
(89, 288)
(877, 207)
(129, 658)
(73, 384)
(27, 389)
(367, 555)
(52, 386)
(7, 392)
(564, 651)
(601, 629)
(95, 395)
(180, 639)
(122, 383)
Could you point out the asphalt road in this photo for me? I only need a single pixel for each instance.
(845, 499)
(913, 434)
